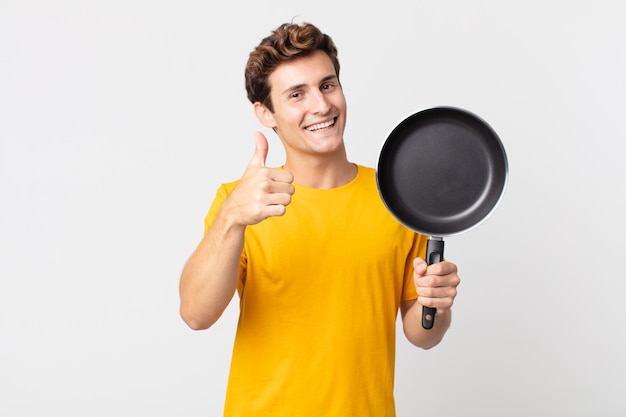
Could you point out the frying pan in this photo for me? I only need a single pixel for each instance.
(441, 172)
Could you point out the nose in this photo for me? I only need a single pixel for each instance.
(319, 103)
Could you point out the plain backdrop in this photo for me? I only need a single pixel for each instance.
(119, 119)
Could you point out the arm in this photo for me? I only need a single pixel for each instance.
(436, 287)
(209, 278)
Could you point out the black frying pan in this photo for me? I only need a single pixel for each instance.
(441, 172)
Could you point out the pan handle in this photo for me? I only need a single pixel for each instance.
(434, 254)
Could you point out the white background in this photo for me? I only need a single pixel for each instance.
(119, 119)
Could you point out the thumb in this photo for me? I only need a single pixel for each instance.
(260, 152)
(420, 266)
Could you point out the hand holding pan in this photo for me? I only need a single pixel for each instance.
(441, 172)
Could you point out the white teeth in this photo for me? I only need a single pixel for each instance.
(321, 125)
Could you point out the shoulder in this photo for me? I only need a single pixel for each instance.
(224, 190)
(365, 172)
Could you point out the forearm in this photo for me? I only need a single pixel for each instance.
(415, 332)
(209, 278)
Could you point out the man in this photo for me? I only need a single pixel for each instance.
(320, 266)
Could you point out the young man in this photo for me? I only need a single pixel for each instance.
(320, 266)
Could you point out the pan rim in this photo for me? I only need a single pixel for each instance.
(492, 137)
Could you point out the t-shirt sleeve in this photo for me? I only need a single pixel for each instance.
(221, 194)
(417, 249)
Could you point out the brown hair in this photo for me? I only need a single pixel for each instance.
(287, 42)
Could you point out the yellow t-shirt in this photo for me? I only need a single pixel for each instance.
(320, 289)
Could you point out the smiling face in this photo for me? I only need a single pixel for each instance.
(309, 107)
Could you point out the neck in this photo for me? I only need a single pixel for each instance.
(330, 171)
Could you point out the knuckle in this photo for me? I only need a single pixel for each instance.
(425, 292)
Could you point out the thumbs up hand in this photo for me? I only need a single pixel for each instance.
(260, 151)
(262, 192)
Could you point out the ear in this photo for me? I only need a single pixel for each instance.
(264, 115)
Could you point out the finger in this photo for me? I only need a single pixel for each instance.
(281, 187)
(438, 298)
(282, 199)
(260, 152)
(442, 268)
(420, 266)
(281, 176)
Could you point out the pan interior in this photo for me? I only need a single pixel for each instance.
(442, 171)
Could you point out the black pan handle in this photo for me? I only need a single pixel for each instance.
(434, 254)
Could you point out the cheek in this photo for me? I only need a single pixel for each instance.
(291, 118)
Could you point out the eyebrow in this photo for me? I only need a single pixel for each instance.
(299, 86)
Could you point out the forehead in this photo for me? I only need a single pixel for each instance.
(308, 70)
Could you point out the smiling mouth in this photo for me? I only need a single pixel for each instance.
(321, 126)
